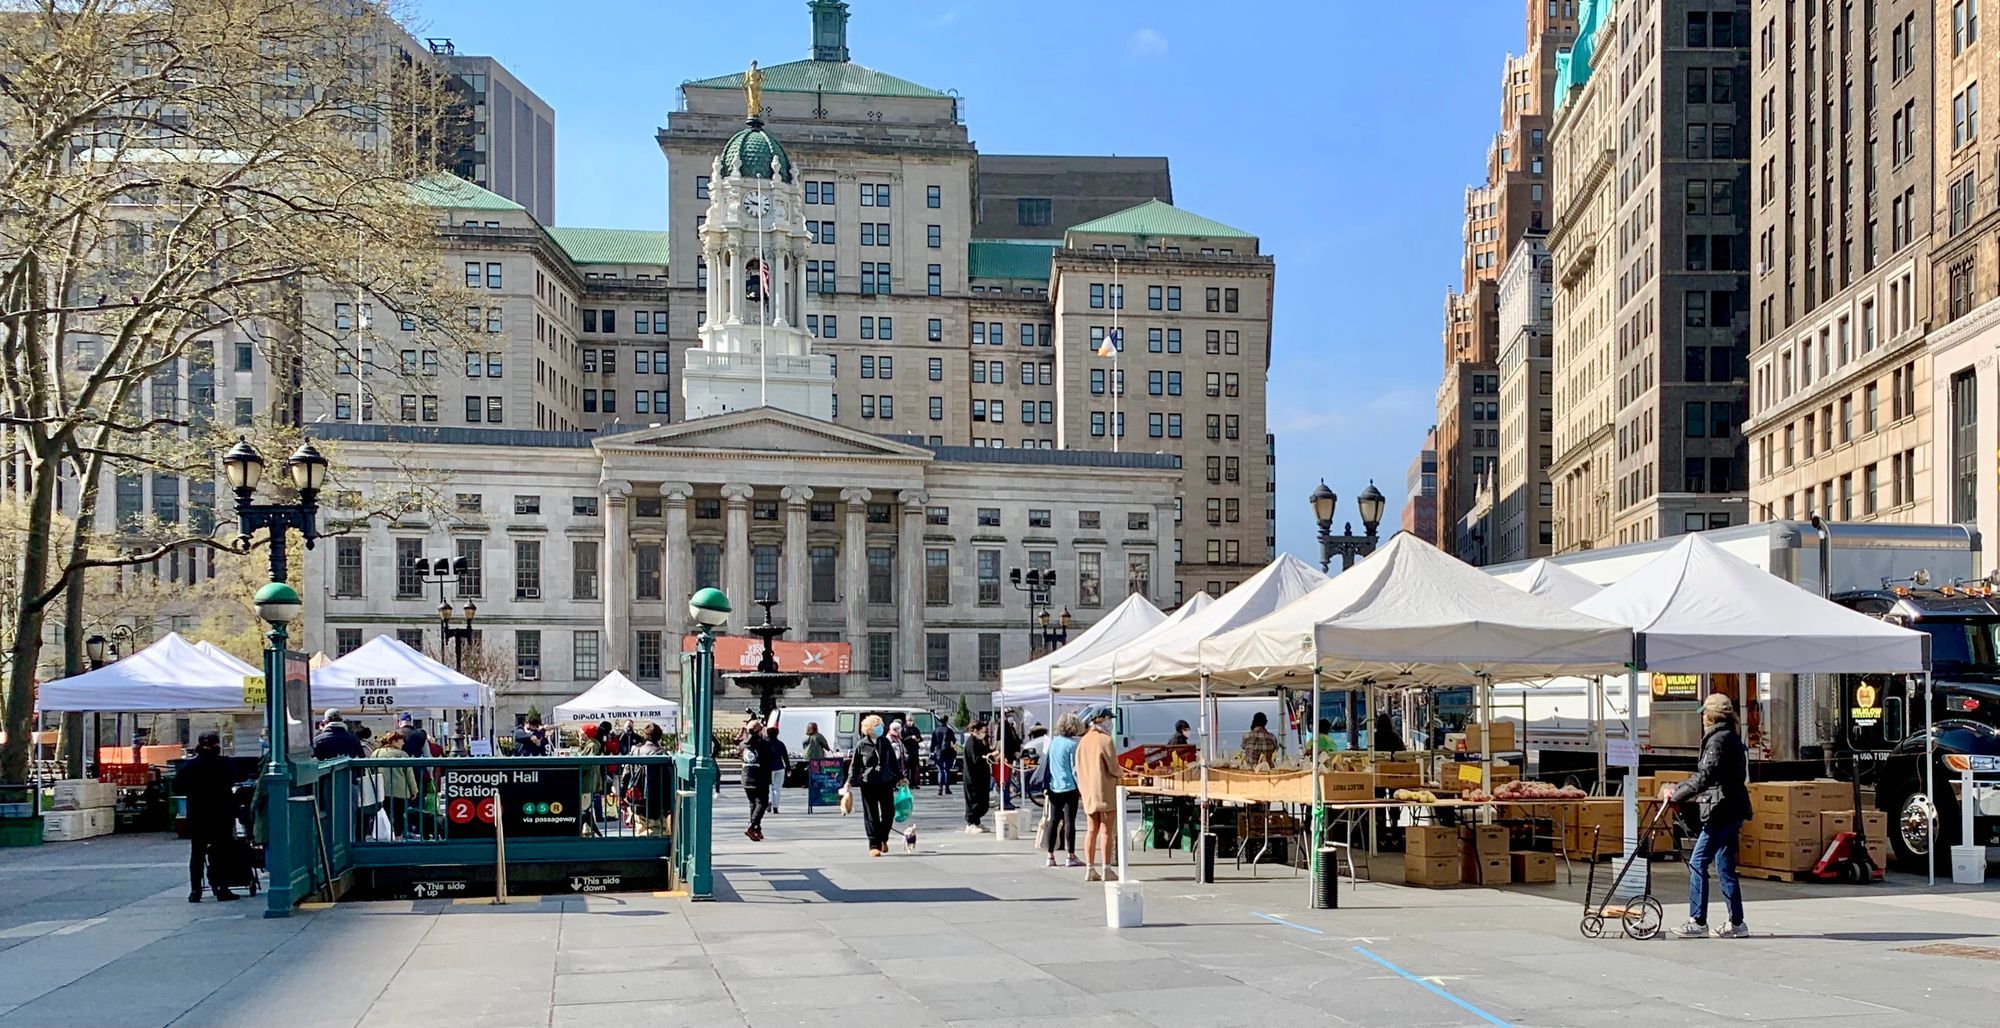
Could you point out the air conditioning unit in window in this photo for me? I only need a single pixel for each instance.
(530, 593)
(530, 674)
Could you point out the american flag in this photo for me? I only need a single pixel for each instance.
(764, 278)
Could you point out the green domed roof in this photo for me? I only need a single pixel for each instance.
(749, 154)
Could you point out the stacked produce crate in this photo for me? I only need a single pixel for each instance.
(1792, 823)
(80, 808)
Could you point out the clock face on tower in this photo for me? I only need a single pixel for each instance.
(758, 208)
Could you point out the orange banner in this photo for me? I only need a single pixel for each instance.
(741, 653)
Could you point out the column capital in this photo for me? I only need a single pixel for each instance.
(615, 489)
(737, 492)
(855, 494)
(914, 500)
(676, 493)
(797, 494)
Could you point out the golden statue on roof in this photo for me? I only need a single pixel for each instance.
(753, 90)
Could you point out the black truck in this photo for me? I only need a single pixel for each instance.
(1882, 722)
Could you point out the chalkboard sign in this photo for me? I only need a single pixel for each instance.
(823, 782)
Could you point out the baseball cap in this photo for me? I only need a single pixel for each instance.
(332, 714)
(1718, 705)
(1095, 712)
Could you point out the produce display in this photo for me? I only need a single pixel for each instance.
(1414, 796)
(1524, 791)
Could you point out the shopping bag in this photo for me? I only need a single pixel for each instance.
(904, 803)
(846, 802)
(1045, 834)
(371, 791)
(385, 829)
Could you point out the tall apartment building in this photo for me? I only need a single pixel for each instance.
(1583, 143)
(1514, 199)
(1679, 314)
(1842, 224)
(1523, 505)
(1420, 492)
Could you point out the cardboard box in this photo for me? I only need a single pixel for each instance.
(1431, 841)
(1480, 869)
(83, 794)
(72, 825)
(1485, 840)
(1430, 871)
(1797, 797)
(1398, 774)
(1531, 868)
(1504, 737)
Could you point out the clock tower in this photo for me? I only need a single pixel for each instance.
(754, 351)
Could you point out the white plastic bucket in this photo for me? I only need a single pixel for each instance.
(1968, 865)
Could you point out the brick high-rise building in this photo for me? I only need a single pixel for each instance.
(1513, 200)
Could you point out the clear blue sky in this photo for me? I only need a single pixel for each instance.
(1345, 140)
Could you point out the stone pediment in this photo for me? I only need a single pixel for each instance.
(764, 430)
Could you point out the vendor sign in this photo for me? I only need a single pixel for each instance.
(375, 693)
(1677, 687)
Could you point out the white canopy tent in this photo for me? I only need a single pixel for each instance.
(1028, 684)
(1552, 582)
(227, 658)
(170, 675)
(616, 698)
(1172, 648)
(1410, 613)
(386, 674)
(1702, 609)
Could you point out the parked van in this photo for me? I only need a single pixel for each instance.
(842, 725)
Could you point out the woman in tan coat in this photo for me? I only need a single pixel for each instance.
(1097, 778)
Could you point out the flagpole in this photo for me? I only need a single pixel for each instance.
(1117, 348)
(763, 316)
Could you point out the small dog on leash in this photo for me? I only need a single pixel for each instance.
(910, 841)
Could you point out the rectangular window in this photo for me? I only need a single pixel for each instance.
(707, 565)
(583, 656)
(528, 654)
(527, 570)
(1090, 579)
(347, 566)
(934, 279)
(933, 197)
(989, 656)
(1965, 447)
(823, 567)
(937, 657)
(881, 653)
(764, 571)
(646, 571)
(647, 656)
(409, 582)
(881, 574)
(470, 561)
(583, 569)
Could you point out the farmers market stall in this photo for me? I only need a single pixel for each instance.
(171, 675)
(386, 674)
(617, 698)
(1704, 610)
(1407, 613)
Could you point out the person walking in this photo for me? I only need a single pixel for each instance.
(944, 756)
(1259, 747)
(815, 747)
(872, 776)
(913, 751)
(756, 754)
(1097, 781)
(1063, 792)
(1722, 801)
(781, 763)
(398, 785)
(335, 739)
(978, 757)
(593, 777)
(210, 787)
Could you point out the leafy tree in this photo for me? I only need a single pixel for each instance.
(180, 179)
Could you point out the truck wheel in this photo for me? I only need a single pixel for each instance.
(1915, 848)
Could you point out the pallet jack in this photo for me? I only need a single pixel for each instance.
(1846, 858)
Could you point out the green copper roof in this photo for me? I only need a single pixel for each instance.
(824, 77)
(1010, 258)
(612, 245)
(1155, 218)
(748, 154)
(443, 190)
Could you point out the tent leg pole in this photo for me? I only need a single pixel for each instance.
(1930, 758)
(1597, 730)
(1318, 797)
(1486, 735)
(1204, 870)
(1630, 885)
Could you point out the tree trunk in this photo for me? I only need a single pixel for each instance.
(26, 652)
(73, 626)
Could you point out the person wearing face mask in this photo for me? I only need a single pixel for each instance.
(872, 773)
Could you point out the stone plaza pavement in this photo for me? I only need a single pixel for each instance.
(808, 930)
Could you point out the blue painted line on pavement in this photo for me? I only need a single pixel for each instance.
(1275, 919)
(1483, 1015)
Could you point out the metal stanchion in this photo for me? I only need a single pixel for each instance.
(499, 852)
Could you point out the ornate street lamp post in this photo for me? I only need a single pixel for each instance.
(1351, 547)
(1039, 584)
(442, 572)
(279, 605)
(694, 823)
